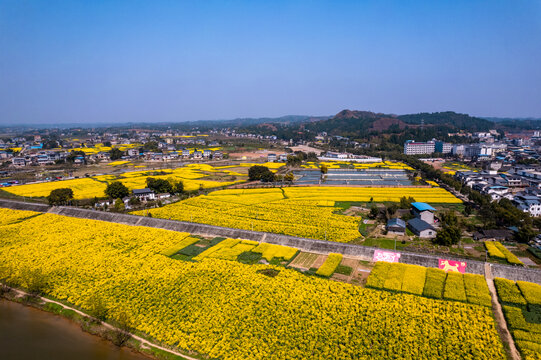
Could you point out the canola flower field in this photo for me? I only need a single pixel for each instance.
(430, 282)
(193, 176)
(298, 211)
(522, 309)
(227, 310)
(85, 188)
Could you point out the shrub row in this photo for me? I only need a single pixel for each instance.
(511, 258)
(493, 251)
(477, 290)
(497, 250)
(181, 245)
(531, 292)
(523, 314)
(517, 319)
(378, 275)
(271, 251)
(414, 279)
(435, 281)
(454, 287)
(430, 282)
(508, 292)
(330, 264)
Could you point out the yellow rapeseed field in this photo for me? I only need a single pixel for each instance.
(193, 176)
(85, 188)
(227, 310)
(299, 211)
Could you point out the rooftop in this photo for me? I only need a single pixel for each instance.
(142, 191)
(421, 206)
(419, 225)
(396, 222)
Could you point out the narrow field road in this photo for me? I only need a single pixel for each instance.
(143, 341)
(501, 324)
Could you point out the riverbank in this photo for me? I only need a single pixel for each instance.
(29, 333)
(119, 336)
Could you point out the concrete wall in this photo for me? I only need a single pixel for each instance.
(316, 246)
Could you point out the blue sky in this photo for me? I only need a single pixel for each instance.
(120, 61)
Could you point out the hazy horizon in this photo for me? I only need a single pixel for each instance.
(131, 61)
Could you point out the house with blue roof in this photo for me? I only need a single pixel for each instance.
(423, 211)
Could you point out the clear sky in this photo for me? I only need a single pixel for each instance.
(120, 61)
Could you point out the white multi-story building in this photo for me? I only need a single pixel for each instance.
(415, 148)
(529, 204)
(443, 147)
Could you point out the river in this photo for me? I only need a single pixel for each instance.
(30, 334)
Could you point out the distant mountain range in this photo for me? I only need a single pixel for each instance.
(346, 123)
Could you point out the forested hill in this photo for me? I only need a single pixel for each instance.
(450, 119)
(366, 126)
(349, 122)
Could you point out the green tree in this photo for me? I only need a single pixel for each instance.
(159, 185)
(115, 154)
(448, 235)
(289, 177)
(374, 211)
(60, 196)
(119, 205)
(97, 307)
(405, 202)
(258, 172)
(525, 234)
(134, 201)
(117, 190)
(178, 187)
(391, 209)
(268, 176)
(294, 160)
(121, 335)
(151, 146)
(324, 169)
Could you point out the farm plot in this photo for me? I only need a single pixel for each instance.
(298, 211)
(522, 309)
(430, 282)
(228, 310)
(193, 176)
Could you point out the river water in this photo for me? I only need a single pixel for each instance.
(30, 334)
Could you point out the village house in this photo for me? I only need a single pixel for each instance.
(144, 194)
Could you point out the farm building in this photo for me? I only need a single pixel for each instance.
(421, 228)
(144, 194)
(396, 226)
(423, 211)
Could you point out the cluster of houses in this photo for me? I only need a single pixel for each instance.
(510, 150)
(143, 195)
(422, 225)
(329, 156)
(521, 185)
(50, 157)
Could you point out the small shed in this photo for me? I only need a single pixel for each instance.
(396, 226)
(421, 228)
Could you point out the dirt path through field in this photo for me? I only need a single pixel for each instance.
(501, 324)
